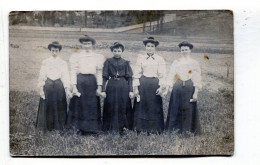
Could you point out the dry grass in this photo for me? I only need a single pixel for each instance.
(217, 137)
(216, 101)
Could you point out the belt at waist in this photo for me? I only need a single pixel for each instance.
(184, 81)
(118, 77)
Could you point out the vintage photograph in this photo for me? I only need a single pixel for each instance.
(121, 83)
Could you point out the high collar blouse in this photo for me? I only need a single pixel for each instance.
(185, 69)
(117, 67)
(54, 68)
(150, 66)
(86, 63)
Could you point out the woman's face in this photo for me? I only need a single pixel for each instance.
(117, 52)
(87, 45)
(150, 48)
(185, 51)
(55, 51)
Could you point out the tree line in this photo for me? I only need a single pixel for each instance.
(88, 19)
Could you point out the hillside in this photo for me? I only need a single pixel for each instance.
(218, 25)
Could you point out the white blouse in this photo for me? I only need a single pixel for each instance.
(54, 68)
(185, 69)
(153, 66)
(86, 63)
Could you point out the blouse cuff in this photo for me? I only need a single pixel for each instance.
(104, 84)
(66, 86)
(130, 84)
(99, 81)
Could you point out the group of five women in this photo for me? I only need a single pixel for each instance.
(92, 76)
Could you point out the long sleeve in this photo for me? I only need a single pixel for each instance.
(73, 69)
(161, 72)
(65, 78)
(172, 73)
(129, 76)
(42, 75)
(138, 71)
(105, 75)
(196, 76)
(99, 69)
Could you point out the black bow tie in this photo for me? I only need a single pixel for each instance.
(150, 56)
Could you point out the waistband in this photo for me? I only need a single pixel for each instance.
(48, 79)
(118, 77)
(81, 74)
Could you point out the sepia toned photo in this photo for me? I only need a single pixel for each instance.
(121, 83)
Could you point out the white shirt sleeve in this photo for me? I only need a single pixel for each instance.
(65, 75)
(42, 76)
(73, 69)
(138, 72)
(100, 65)
(196, 76)
(172, 73)
(161, 72)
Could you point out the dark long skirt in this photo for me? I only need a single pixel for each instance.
(84, 111)
(118, 112)
(148, 113)
(183, 115)
(52, 111)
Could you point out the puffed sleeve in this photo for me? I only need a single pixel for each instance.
(99, 68)
(196, 75)
(73, 69)
(129, 76)
(105, 75)
(65, 78)
(42, 75)
(161, 72)
(171, 75)
(138, 71)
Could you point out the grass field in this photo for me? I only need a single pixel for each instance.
(216, 103)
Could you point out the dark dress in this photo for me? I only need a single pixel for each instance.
(183, 115)
(52, 111)
(84, 111)
(118, 112)
(148, 113)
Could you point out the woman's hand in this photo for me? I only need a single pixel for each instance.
(159, 91)
(75, 91)
(195, 95)
(165, 91)
(136, 91)
(98, 91)
(68, 93)
(131, 95)
(42, 95)
(103, 95)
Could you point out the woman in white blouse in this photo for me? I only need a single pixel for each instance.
(86, 78)
(148, 83)
(54, 77)
(184, 80)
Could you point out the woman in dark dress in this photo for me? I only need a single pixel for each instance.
(117, 113)
(54, 84)
(184, 82)
(86, 78)
(149, 85)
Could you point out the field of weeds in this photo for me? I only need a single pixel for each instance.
(216, 100)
